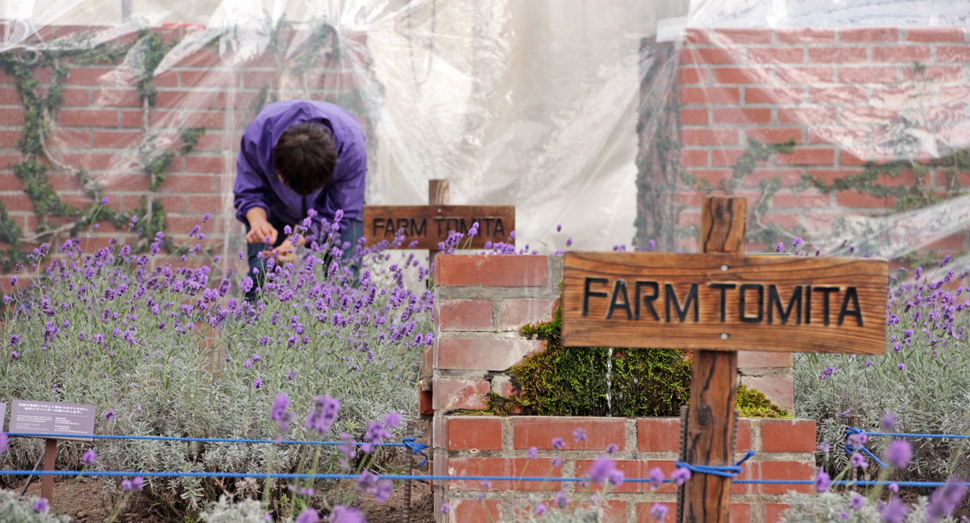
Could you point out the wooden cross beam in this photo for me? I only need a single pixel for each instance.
(718, 303)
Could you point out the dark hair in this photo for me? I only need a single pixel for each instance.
(305, 157)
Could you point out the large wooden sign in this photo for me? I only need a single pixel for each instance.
(725, 302)
(428, 225)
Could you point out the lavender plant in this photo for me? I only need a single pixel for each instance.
(924, 379)
(161, 349)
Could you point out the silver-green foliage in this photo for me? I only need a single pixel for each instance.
(14, 509)
(227, 511)
(169, 352)
(924, 379)
(832, 507)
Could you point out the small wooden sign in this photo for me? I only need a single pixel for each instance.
(66, 420)
(428, 225)
(724, 302)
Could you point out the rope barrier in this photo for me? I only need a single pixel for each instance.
(724, 471)
(200, 440)
(854, 430)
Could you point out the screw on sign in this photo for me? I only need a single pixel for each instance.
(718, 303)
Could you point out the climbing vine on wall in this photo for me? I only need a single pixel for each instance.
(23, 63)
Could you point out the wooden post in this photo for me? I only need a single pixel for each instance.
(50, 457)
(439, 193)
(707, 498)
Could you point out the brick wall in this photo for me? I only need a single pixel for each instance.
(840, 94)
(102, 122)
(480, 304)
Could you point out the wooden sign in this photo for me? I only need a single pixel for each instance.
(428, 225)
(66, 420)
(725, 302)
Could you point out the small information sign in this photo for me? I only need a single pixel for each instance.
(66, 420)
(429, 225)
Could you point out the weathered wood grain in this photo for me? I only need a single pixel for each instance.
(780, 315)
(428, 225)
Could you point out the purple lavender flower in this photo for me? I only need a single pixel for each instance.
(258, 383)
(556, 461)
(681, 475)
(824, 446)
(14, 355)
(651, 244)
(559, 227)
(13, 281)
(894, 511)
(558, 443)
(324, 412)
(569, 241)
(109, 415)
(561, 499)
(780, 247)
(857, 441)
(796, 242)
(280, 412)
(945, 500)
(901, 366)
(89, 457)
(392, 420)
(899, 454)
(104, 201)
(579, 435)
(40, 506)
(822, 481)
(533, 453)
(857, 502)
(893, 487)
(445, 508)
(858, 460)
(600, 469)
(611, 448)
(615, 477)
(205, 217)
(14, 340)
(540, 509)
(656, 477)
(658, 511)
(308, 516)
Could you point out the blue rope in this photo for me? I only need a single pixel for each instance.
(723, 471)
(850, 450)
(202, 440)
(853, 430)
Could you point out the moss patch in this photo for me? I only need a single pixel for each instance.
(572, 381)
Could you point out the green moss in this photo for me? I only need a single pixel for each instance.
(572, 381)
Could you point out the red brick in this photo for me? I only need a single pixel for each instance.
(744, 436)
(837, 55)
(694, 158)
(658, 434)
(805, 35)
(788, 177)
(116, 139)
(714, 177)
(863, 75)
(342, 81)
(935, 34)
(774, 95)
(740, 513)
(866, 114)
(474, 432)
(88, 75)
(166, 79)
(203, 204)
(764, 359)
(204, 164)
(804, 75)
(709, 95)
(207, 119)
(775, 55)
(742, 36)
(694, 116)
(937, 73)
(491, 271)
(451, 394)
(901, 54)
(257, 78)
(954, 93)
(483, 353)
(13, 117)
(837, 134)
(866, 35)
(806, 115)
(774, 512)
(853, 199)
(75, 98)
(504, 467)
(784, 470)
(9, 139)
(93, 161)
(953, 53)
(630, 468)
(843, 94)
(802, 156)
(742, 116)
(188, 183)
(208, 78)
(88, 117)
(539, 431)
(710, 56)
(778, 389)
(425, 401)
(185, 99)
(117, 98)
(644, 516)
(200, 58)
(788, 221)
(697, 36)
(693, 75)
(516, 313)
(464, 315)
(787, 435)
(725, 157)
(710, 137)
(468, 510)
(667, 466)
(70, 138)
(775, 135)
(741, 75)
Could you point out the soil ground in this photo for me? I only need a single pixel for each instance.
(82, 501)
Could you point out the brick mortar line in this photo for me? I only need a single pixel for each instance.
(495, 293)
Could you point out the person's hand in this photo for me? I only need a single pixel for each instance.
(285, 253)
(259, 231)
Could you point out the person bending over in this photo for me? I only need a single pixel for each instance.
(296, 156)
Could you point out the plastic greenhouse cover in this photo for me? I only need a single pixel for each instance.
(568, 109)
(525, 103)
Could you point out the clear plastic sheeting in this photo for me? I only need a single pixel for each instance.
(843, 122)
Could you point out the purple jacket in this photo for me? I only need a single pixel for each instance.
(258, 185)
